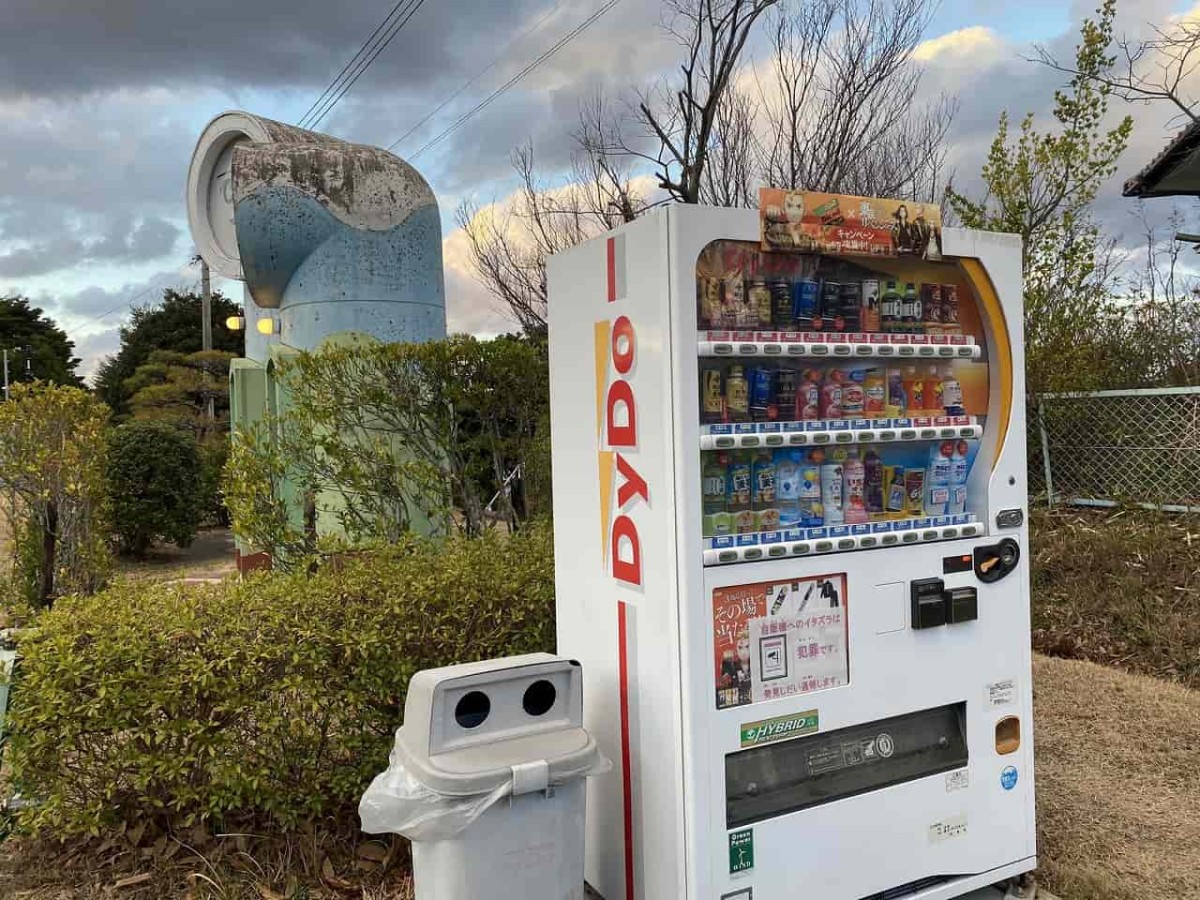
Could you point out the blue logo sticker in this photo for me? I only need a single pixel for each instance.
(1008, 778)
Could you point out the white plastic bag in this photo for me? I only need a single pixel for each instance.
(397, 803)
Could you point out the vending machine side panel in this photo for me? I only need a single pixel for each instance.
(615, 550)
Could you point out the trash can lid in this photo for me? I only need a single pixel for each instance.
(466, 726)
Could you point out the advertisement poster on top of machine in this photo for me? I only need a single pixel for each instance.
(813, 222)
(779, 639)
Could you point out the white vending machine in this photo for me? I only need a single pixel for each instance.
(791, 550)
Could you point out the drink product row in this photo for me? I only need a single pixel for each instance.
(776, 490)
(778, 392)
(890, 306)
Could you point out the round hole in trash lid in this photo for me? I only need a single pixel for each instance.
(539, 698)
(472, 709)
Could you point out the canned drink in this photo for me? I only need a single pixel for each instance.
(710, 296)
(829, 307)
(854, 396)
(762, 395)
(737, 395)
(806, 296)
(712, 394)
(931, 306)
(869, 317)
(785, 392)
(737, 307)
(781, 305)
(758, 295)
(850, 301)
(950, 319)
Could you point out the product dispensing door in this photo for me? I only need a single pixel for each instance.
(791, 550)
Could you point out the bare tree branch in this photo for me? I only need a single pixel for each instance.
(842, 101)
(1154, 70)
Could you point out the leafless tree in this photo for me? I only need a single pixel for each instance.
(1147, 71)
(509, 246)
(731, 177)
(1165, 297)
(682, 119)
(842, 101)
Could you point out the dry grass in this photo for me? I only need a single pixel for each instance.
(1120, 588)
(1118, 782)
(198, 866)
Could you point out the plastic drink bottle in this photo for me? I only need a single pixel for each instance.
(910, 310)
(808, 397)
(787, 482)
(714, 477)
(811, 512)
(894, 491)
(937, 479)
(958, 480)
(764, 498)
(873, 483)
(896, 401)
(875, 394)
(854, 490)
(952, 396)
(914, 391)
(831, 395)
(853, 394)
(933, 392)
(831, 493)
(739, 493)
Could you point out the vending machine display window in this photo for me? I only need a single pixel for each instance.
(841, 401)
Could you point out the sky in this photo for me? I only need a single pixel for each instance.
(101, 103)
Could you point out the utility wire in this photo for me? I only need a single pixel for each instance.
(507, 47)
(487, 101)
(381, 45)
(122, 305)
(361, 50)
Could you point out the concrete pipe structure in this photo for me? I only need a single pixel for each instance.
(333, 241)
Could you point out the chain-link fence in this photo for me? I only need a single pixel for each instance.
(1115, 447)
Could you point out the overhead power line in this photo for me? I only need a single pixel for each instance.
(487, 101)
(466, 84)
(379, 40)
(124, 304)
(361, 51)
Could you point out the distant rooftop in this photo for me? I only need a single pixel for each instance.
(1175, 172)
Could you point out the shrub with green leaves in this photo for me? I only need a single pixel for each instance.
(154, 485)
(266, 702)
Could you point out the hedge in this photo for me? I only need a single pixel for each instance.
(270, 701)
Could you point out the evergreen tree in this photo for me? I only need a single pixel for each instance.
(36, 344)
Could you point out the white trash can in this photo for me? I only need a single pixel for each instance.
(487, 778)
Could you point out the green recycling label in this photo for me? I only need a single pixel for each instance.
(779, 728)
(741, 851)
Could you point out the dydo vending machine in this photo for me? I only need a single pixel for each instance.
(791, 550)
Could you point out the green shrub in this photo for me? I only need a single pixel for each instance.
(270, 701)
(52, 493)
(154, 485)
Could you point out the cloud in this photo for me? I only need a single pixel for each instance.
(150, 238)
(969, 42)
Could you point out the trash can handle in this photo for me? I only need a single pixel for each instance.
(530, 777)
